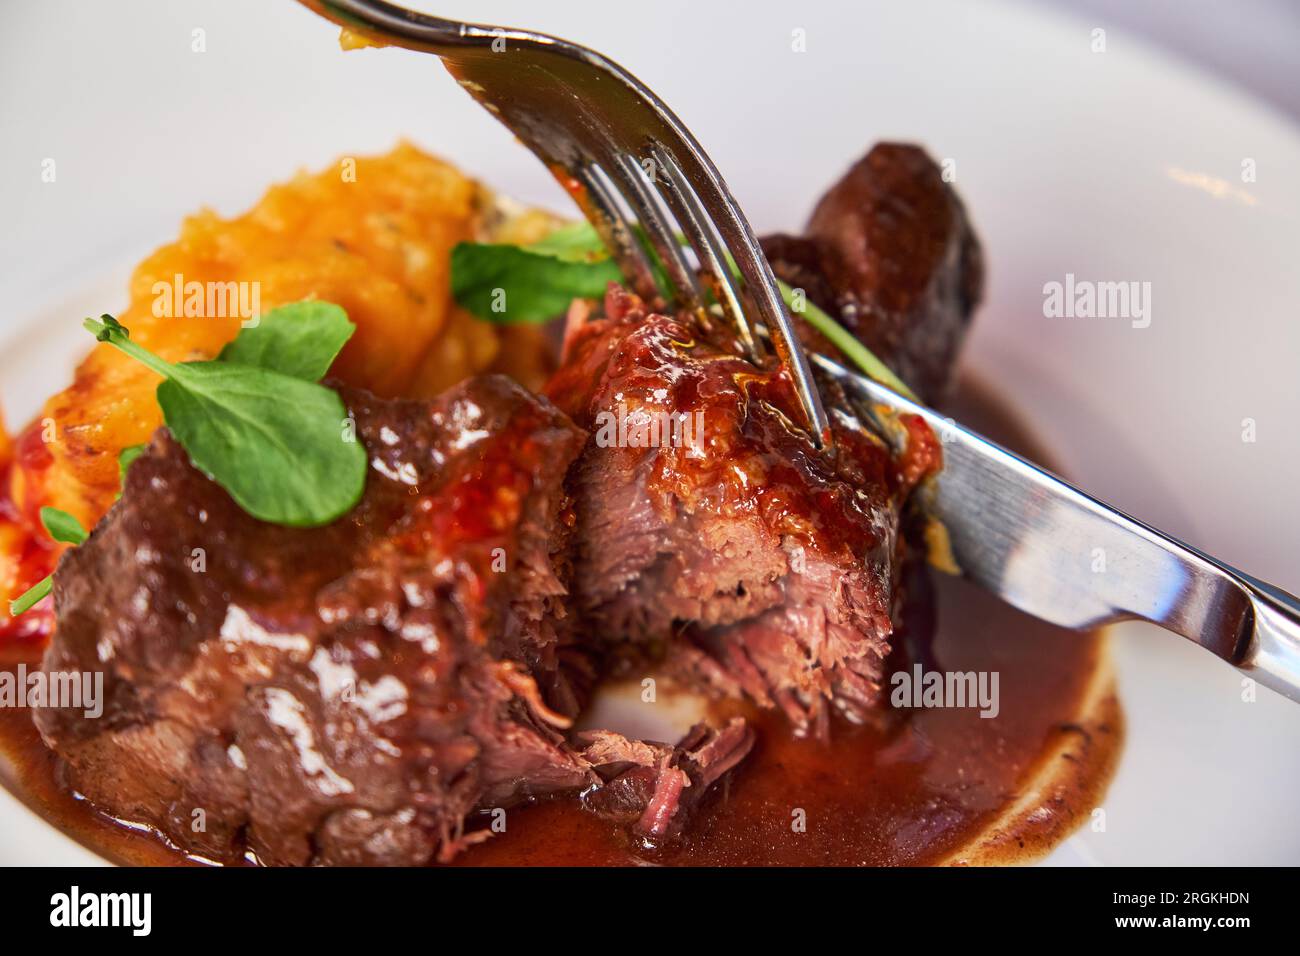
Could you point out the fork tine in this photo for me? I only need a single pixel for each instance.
(531, 88)
(681, 199)
(599, 205)
(720, 209)
(630, 177)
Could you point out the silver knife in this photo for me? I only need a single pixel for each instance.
(1031, 538)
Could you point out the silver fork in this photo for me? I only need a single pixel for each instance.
(1014, 528)
(613, 145)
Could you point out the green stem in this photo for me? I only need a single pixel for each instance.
(116, 336)
(846, 342)
(29, 597)
(840, 337)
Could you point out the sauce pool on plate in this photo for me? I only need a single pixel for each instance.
(926, 786)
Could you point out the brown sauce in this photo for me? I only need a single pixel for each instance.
(934, 786)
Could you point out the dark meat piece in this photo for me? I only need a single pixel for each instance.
(654, 788)
(890, 254)
(697, 501)
(346, 694)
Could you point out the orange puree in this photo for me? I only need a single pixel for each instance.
(372, 234)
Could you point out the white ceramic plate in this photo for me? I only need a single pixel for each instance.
(1119, 165)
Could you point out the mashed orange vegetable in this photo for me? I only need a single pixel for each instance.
(373, 235)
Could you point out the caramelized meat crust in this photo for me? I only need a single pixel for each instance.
(346, 694)
(352, 694)
(699, 504)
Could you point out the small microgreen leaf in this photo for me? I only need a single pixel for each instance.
(277, 443)
(63, 526)
(301, 340)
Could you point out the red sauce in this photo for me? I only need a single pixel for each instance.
(33, 555)
(930, 786)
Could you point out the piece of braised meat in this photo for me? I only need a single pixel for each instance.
(349, 694)
(702, 514)
(346, 694)
(890, 254)
(653, 788)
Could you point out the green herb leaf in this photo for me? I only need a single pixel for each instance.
(28, 598)
(301, 340)
(124, 458)
(277, 444)
(253, 420)
(509, 284)
(63, 526)
(577, 242)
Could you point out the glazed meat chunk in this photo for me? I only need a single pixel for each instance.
(890, 254)
(345, 694)
(704, 516)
